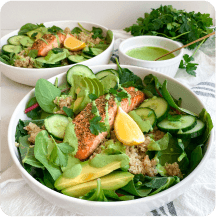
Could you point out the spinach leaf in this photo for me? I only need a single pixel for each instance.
(54, 29)
(39, 123)
(29, 27)
(20, 131)
(171, 102)
(27, 152)
(109, 36)
(76, 30)
(152, 84)
(127, 78)
(42, 141)
(35, 113)
(48, 180)
(97, 33)
(56, 56)
(45, 93)
(33, 53)
(159, 145)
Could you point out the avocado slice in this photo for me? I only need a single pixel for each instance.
(112, 181)
(94, 82)
(100, 87)
(90, 85)
(77, 104)
(88, 173)
(40, 32)
(145, 126)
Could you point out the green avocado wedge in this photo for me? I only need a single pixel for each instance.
(112, 181)
(88, 173)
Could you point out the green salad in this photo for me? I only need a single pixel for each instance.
(57, 142)
(37, 46)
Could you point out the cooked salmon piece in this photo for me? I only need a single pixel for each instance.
(88, 142)
(48, 42)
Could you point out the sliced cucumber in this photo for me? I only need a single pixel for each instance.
(109, 81)
(8, 48)
(194, 132)
(41, 61)
(103, 73)
(159, 105)
(147, 114)
(185, 123)
(79, 70)
(56, 125)
(115, 72)
(15, 40)
(26, 41)
(76, 59)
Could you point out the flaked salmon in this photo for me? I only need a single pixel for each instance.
(48, 42)
(88, 142)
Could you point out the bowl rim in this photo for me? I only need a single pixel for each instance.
(168, 61)
(33, 70)
(116, 203)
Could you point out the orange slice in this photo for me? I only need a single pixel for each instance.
(126, 129)
(73, 44)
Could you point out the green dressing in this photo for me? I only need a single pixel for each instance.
(97, 112)
(106, 120)
(149, 53)
(73, 171)
(57, 40)
(101, 160)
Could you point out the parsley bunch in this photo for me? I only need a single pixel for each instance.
(174, 24)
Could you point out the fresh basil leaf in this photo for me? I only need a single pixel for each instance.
(45, 93)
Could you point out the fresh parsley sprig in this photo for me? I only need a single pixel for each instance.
(96, 126)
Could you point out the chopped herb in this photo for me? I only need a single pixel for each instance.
(96, 126)
(57, 50)
(92, 96)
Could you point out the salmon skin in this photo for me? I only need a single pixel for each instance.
(48, 42)
(88, 142)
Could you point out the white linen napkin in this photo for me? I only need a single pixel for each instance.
(17, 198)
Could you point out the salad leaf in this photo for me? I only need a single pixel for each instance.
(57, 50)
(97, 33)
(35, 113)
(20, 132)
(55, 56)
(92, 96)
(171, 102)
(33, 53)
(109, 36)
(45, 93)
(28, 27)
(96, 126)
(69, 112)
(111, 147)
(54, 29)
(42, 141)
(159, 145)
(152, 84)
(27, 152)
(59, 154)
(127, 78)
(76, 30)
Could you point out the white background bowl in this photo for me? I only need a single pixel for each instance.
(134, 207)
(29, 76)
(167, 67)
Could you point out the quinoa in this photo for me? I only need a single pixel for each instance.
(63, 102)
(23, 60)
(33, 130)
(87, 38)
(173, 169)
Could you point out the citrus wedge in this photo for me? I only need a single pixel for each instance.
(126, 129)
(73, 44)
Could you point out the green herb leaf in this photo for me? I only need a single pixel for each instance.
(54, 29)
(33, 53)
(76, 30)
(69, 112)
(57, 50)
(97, 33)
(96, 126)
(92, 96)
(121, 95)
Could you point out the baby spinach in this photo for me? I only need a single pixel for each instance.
(45, 93)
(20, 131)
(27, 152)
(33, 53)
(29, 27)
(159, 145)
(42, 141)
(69, 112)
(97, 33)
(54, 29)
(76, 30)
(35, 113)
(152, 84)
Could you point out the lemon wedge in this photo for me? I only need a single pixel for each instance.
(126, 129)
(73, 44)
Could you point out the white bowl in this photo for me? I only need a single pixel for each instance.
(29, 76)
(126, 208)
(167, 67)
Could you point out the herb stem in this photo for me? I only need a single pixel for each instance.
(179, 35)
(198, 47)
(83, 28)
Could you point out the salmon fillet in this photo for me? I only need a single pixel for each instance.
(52, 42)
(88, 142)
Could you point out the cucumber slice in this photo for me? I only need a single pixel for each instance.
(79, 70)
(103, 73)
(76, 59)
(15, 40)
(147, 114)
(109, 81)
(185, 123)
(56, 125)
(26, 41)
(8, 48)
(115, 72)
(159, 105)
(194, 132)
